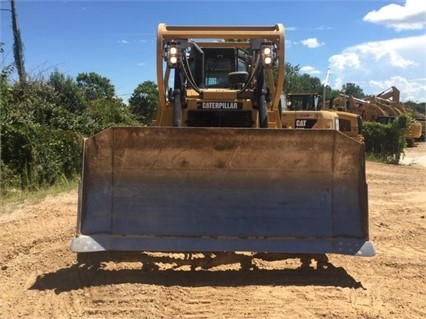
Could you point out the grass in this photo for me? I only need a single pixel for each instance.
(13, 198)
(371, 157)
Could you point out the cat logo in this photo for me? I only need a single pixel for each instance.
(305, 123)
(301, 123)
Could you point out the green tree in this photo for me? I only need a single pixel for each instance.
(310, 84)
(300, 83)
(94, 86)
(144, 102)
(291, 82)
(68, 94)
(353, 90)
(103, 113)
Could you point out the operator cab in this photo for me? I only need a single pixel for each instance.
(303, 102)
(219, 67)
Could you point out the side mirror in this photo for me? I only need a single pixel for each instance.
(235, 79)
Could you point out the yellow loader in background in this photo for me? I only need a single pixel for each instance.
(217, 173)
(305, 111)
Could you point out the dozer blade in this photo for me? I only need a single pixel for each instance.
(218, 189)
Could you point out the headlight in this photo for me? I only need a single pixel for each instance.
(266, 50)
(172, 51)
(267, 55)
(267, 60)
(173, 60)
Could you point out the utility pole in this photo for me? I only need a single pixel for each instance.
(325, 87)
(18, 47)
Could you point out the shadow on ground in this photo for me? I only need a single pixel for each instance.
(203, 272)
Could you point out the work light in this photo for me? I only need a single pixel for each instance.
(172, 54)
(267, 55)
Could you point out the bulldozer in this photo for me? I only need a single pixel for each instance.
(303, 111)
(306, 111)
(217, 172)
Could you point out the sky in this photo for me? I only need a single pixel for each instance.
(375, 44)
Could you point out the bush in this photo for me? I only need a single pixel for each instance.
(34, 156)
(42, 128)
(386, 142)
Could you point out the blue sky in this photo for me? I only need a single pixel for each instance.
(373, 43)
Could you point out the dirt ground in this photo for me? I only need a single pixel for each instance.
(40, 278)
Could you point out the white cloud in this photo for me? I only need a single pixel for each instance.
(122, 41)
(312, 43)
(410, 16)
(309, 70)
(400, 53)
(347, 58)
(376, 66)
(412, 90)
(338, 83)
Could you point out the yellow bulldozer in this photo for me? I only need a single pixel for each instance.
(217, 172)
(306, 111)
